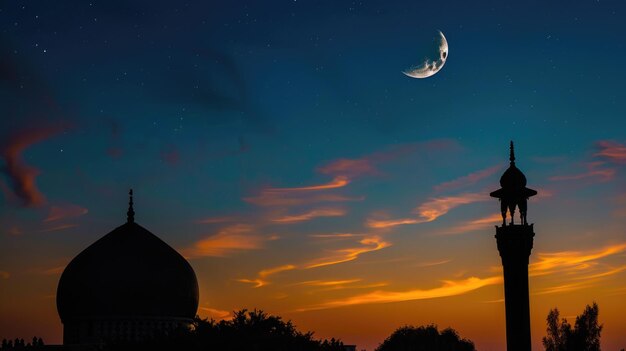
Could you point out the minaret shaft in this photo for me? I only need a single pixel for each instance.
(515, 243)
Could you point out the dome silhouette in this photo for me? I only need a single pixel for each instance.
(126, 285)
(513, 178)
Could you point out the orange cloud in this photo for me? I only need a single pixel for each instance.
(211, 220)
(433, 263)
(21, 175)
(338, 182)
(437, 207)
(59, 227)
(563, 288)
(430, 210)
(322, 212)
(5, 275)
(261, 279)
(564, 261)
(237, 237)
(335, 235)
(67, 211)
(449, 288)
(326, 283)
(467, 180)
(214, 313)
(369, 244)
(351, 167)
(53, 271)
(382, 223)
(367, 165)
(611, 150)
(593, 172)
(273, 199)
(475, 224)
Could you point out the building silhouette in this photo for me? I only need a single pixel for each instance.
(515, 241)
(127, 286)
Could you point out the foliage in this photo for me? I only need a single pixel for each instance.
(585, 336)
(247, 330)
(425, 338)
(20, 344)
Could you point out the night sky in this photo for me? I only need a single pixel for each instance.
(278, 146)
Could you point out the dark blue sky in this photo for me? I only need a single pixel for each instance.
(209, 109)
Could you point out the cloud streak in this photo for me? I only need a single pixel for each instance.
(430, 210)
(306, 216)
(595, 171)
(368, 244)
(448, 288)
(66, 211)
(337, 182)
(231, 239)
(22, 176)
(475, 224)
(467, 180)
(368, 164)
(261, 279)
(568, 261)
(612, 151)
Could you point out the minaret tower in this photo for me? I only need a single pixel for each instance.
(515, 241)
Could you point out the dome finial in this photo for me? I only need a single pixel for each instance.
(512, 156)
(131, 212)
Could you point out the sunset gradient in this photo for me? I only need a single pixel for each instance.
(278, 147)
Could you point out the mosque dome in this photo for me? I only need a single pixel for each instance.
(129, 273)
(513, 178)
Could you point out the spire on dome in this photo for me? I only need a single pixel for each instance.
(512, 155)
(131, 212)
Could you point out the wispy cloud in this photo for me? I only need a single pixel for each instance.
(276, 199)
(433, 263)
(430, 210)
(337, 182)
(233, 238)
(53, 271)
(563, 288)
(467, 180)
(326, 283)
(596, 170)
(65, 211)
(21, 175)
(215, 313)
(567, 261)
(335, 235)
(386, 223)
(368, 244)
(368, 164)
(261, 279)
(612, 151)
(58, 227)
(306, 216)
(475, 224)
(448, 288)
(213, 220)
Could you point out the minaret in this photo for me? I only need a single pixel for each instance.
(515, 241)
(130, 214)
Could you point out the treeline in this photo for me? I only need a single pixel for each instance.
(20, 344)
(247, 330)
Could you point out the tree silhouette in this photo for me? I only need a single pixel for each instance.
(247, 330)
(425, 338)
(585, 336)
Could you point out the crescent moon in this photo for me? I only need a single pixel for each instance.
(429, 67)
